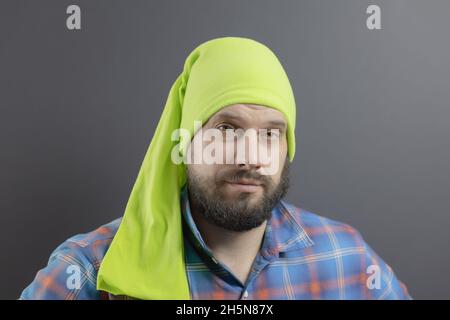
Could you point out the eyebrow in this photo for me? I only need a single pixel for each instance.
(278, 123)
(230, 115)
(227, 115)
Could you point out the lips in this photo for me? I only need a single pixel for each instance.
(248, 182)
(245, 185)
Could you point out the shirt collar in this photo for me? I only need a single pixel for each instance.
(283, 230)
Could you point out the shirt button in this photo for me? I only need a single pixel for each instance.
(245, 295)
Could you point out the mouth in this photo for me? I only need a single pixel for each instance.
(245, 185)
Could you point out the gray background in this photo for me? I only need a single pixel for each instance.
(78, 110)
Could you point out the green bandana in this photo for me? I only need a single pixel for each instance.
(146, 257)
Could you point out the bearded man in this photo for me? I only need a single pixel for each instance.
(219, 229)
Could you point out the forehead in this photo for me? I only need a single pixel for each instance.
(250, 113)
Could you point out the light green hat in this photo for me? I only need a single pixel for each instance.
(146, 257)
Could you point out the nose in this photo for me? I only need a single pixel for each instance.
(250, 159)
(248, 166)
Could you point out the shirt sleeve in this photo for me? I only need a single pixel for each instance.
(69, 275)
(381, 281)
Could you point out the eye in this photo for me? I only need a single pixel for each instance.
(271, 133)
(224, 126)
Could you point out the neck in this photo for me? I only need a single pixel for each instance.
(236, 250)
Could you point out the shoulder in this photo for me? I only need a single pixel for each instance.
(90, 247)
(326, 233)
(102, 235)
(71, 271)
(340, 252)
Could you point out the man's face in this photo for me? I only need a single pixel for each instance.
(240, 196)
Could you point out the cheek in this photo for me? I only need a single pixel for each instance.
(278, 154)
(204, 172)
(282, 159)
(276, 177)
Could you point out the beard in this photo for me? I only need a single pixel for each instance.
(241, 214)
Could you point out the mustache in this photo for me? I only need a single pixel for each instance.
(246, 174)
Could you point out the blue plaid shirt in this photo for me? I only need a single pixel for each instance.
(303, 256)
